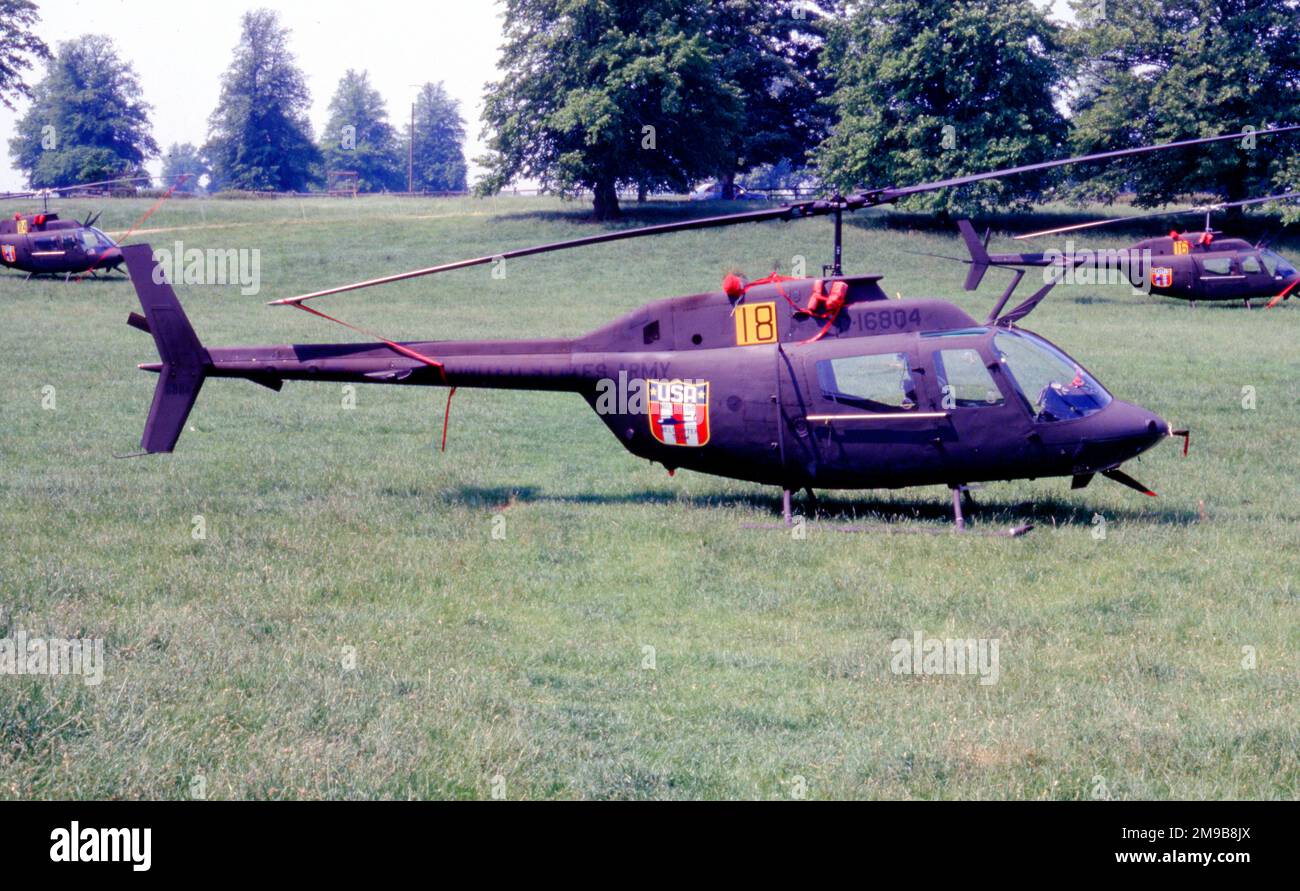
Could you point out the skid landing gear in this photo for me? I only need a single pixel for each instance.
(787, 509)
(961, 498)
(962, 503)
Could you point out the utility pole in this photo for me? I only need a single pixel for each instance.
(410, 154)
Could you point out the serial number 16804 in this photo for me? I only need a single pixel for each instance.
(889, 319)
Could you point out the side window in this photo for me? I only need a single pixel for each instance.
(46, 244)
(1251, 264)
(69, 241)
(882, 381)
(964, 382)
(1217, 265)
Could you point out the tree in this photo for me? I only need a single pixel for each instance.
(928, 89)
(184, 159)
(358, 136)
(17, 43)
(1288, 179)
(87, 120)
(598, 93)
(771, 51)
(439, 158)
(1160, 70)
(259, 135)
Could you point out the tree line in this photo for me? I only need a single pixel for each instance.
(88, 122)
(601, 97)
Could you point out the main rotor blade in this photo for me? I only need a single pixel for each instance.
(894, 193)
(36, 193)
(787, 212)
(1204, 208)
(868, 198)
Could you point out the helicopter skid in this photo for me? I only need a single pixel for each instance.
(887, 529)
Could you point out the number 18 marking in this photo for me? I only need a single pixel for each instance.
(755, 323)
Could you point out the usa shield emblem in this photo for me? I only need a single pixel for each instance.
(679, 411)
(1162, 277)
(7, 251)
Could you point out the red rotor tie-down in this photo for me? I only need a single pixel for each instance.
(140, 222)
(736, 288)
(396, 347)
(1280, 297)
(730, 283)
(446, 417)
(820, 305)
(830, 307)
(1187, 439)
(399, 348)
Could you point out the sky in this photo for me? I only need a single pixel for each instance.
(180, 49)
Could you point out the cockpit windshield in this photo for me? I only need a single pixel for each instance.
(1276, 264)
(104, 240)
(1053, 386)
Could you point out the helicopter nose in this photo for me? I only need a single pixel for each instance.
(1119, 432)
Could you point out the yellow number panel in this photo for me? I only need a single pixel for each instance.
(755, 323)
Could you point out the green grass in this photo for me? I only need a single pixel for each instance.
(522, 656)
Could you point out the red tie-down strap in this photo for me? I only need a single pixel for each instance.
(140, 222)
(403, 350)
(395, 347)
(1280, 297)
(826, 306)
(820, 305)
(735, 287)
(446, 417)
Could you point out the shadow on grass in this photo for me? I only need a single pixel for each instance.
(76, 280)
(863, 506)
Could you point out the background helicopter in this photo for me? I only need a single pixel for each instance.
(40, 243)
(797, 383)
(1188, 265)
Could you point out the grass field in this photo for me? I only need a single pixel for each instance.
(351, 627)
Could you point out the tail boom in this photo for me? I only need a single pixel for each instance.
(185, 363)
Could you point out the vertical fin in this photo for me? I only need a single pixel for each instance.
(979, 255)
(184, 360)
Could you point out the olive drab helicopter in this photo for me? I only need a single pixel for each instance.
(1190, 266)
(798, 383)
(43, 244)
(40, 243)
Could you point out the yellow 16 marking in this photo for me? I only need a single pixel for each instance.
(755, 323)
